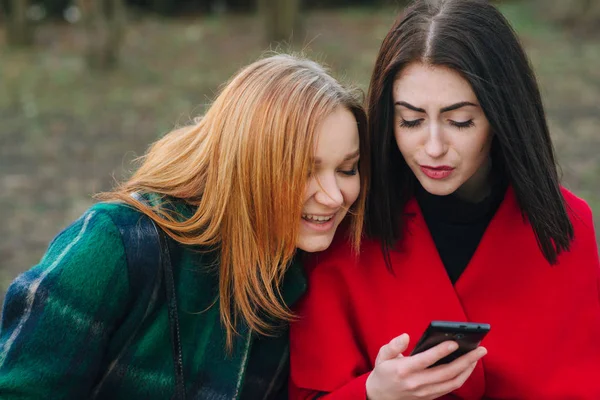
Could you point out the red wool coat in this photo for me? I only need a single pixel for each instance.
(545, 336)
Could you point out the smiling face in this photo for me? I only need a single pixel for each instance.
(334, 183)
(441, 131)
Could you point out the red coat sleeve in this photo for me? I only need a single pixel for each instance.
(585, 219)
(324, 355)
(354, 390)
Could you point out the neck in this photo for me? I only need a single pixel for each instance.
(479, 186)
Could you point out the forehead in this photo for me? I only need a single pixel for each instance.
(421, 84)
(337, 135)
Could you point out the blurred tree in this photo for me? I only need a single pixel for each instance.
(19, 30)
(164, 6)
(321, 4)
(104, 23)
(282, 20)
(53, 8)
(578, 15)
(183, 7)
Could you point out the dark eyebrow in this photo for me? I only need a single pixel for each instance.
(457, 106)
(409, 106)
(443, 110)
(349, 157)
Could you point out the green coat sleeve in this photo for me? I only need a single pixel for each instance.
(58, 317)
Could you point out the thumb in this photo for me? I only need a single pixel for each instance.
(393, 349)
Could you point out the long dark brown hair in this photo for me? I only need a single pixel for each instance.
(473, 38)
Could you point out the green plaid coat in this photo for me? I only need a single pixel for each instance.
(83, 324)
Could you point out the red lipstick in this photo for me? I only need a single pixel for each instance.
(438, 172)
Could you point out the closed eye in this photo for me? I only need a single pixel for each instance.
(350, 172)
(410, 124)
(462, 125)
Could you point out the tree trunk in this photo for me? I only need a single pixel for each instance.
(592, 16)
(282, 20)
(104, 23)
(19, 31)
(578, 15)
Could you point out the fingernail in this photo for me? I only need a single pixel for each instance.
(482, 351)
(452, 346)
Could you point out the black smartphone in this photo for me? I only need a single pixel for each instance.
(468, 335)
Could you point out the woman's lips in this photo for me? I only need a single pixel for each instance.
(440, 172)
(319, 226)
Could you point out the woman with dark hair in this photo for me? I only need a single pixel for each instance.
(466, 221)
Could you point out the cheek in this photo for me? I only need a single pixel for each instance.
(351, 189)
(404, 142)
(398, 137)
(310, 189)
(475, 152)
(478, 148)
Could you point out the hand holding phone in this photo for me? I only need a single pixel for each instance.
(395, 376)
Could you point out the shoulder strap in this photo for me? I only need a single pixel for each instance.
(160, 239)
(165, 260)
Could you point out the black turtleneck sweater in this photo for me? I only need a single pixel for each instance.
(457, 225)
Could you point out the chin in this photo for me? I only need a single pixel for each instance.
(313, 246)
(438, 188)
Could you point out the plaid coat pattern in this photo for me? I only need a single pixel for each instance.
(84, 323)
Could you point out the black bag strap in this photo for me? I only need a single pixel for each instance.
(164, 262)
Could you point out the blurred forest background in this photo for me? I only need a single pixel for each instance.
(86, 85)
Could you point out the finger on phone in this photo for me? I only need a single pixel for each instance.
(472, 356)
(446, 372)
(429, 357)
(393, 349)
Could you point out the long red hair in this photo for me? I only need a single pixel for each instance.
(243, 167)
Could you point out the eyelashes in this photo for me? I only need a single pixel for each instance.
(416, 122)
(351, 172)
(410, 124)
(345, 172)
(462, 125)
